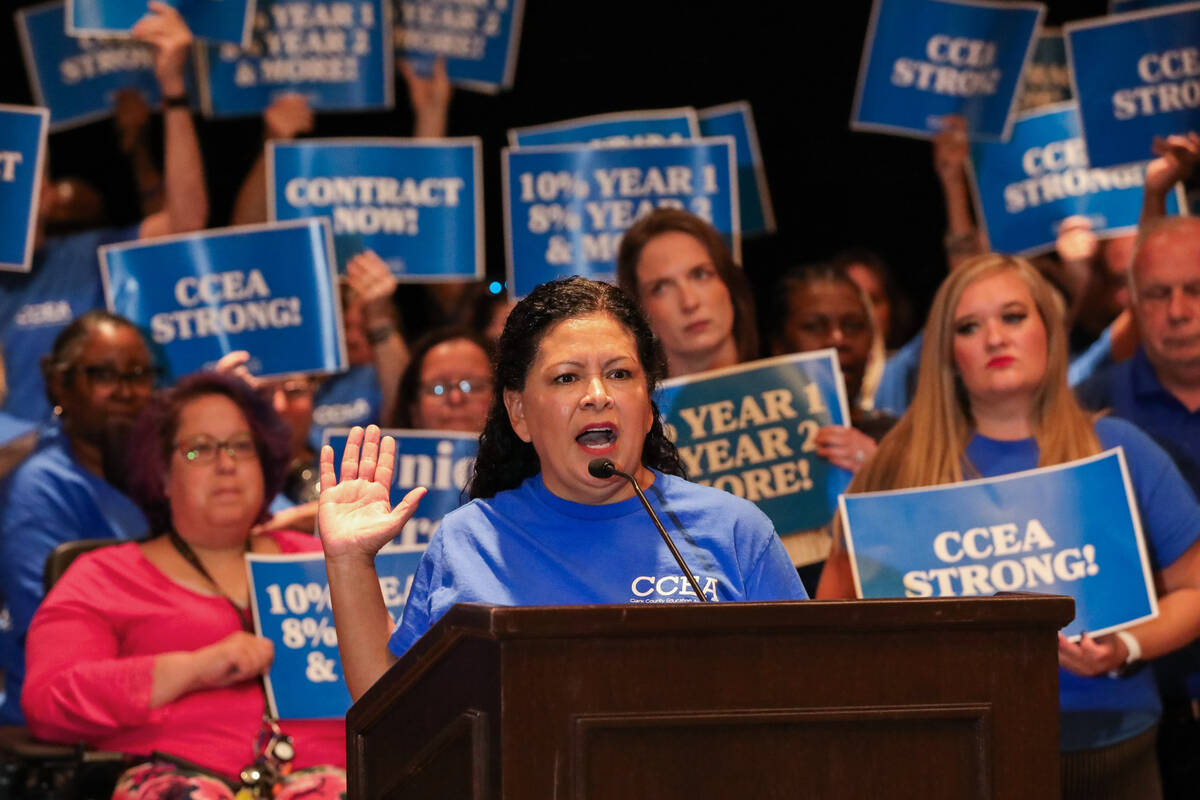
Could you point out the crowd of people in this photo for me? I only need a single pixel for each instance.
(1018, 364)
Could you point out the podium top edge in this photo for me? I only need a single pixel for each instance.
(1002, 611)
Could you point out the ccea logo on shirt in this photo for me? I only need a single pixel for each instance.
(671, 589)
(51, 312)
(335, 414)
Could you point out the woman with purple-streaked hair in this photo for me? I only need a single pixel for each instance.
(163, 657)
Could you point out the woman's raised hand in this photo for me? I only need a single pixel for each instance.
(355, 514)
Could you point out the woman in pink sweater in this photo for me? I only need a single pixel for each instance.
(146, 648)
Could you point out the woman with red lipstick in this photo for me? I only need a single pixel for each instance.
(696, 298)
(576, 370)
(162, 657)
(992, 398)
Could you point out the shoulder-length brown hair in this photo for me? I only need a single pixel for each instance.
(668, 220)
(927, 446)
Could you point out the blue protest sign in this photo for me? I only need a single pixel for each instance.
(1134, 76)
(1024, 188)
(268, 289)
(479, 39)
(417, 204)
(750, 430)
(754, 198)
(289, 598)
(338, 55)
(1068, 529)
(924, 59)
(22, 152)
(567, 206)
(441, 461)
(655, 126)
(1046, 80)
(213, 20)
(76, 78)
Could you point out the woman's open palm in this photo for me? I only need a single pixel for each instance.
(355, 514)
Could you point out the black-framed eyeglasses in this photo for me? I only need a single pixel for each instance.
(105, 376)
(464, 385)
(202, 449)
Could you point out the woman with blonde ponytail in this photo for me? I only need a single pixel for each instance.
(991, 399)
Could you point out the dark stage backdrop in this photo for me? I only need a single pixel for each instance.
(796, 62)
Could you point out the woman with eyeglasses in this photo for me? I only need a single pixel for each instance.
(448, 384)
(162, 656)
(98, 376)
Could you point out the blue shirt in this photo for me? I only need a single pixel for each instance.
(899, 380)
(527, 546)
(1133, 392)
(36, 305)
(48, 500)
(1101, 711)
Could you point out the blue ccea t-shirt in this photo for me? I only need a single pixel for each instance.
(36, 305)
(527, 546)
(1101, 711)
(48, 500)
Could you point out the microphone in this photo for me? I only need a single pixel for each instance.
(605, 468)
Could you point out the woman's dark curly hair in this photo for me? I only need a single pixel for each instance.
(504, 460)
(153, 441)
(410, 381)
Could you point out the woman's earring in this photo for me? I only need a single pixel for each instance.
(58, 411)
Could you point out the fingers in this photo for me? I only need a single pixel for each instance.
(384, 467)
(404, 510)
(232, 360)
(328, 477)
(370, 454)
(350, 456)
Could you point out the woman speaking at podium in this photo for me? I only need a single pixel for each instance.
(576, 368)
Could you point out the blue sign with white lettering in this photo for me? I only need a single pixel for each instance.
(751, 430)
(417, 204)
(754, 198)
(337, 55)
(77, 78)
(268, 289)
(657, 126)
(567, 206)
(213, 20)
(1041, 176)
(924, 59)
(289, 597)
(22, 152)
(1069, 529)
(479, 40)
(441, 461)
(1135, 78)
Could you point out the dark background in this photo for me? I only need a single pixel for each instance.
(796, 63)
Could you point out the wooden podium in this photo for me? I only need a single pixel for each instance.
(954, 698)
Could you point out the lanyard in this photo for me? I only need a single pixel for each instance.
(273, 746)
(189, 555)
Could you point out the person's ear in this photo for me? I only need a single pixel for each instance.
(515, 404)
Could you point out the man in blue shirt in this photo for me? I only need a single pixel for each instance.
(1159, 391)
(65, 281)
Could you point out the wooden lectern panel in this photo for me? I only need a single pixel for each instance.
(841, 699)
